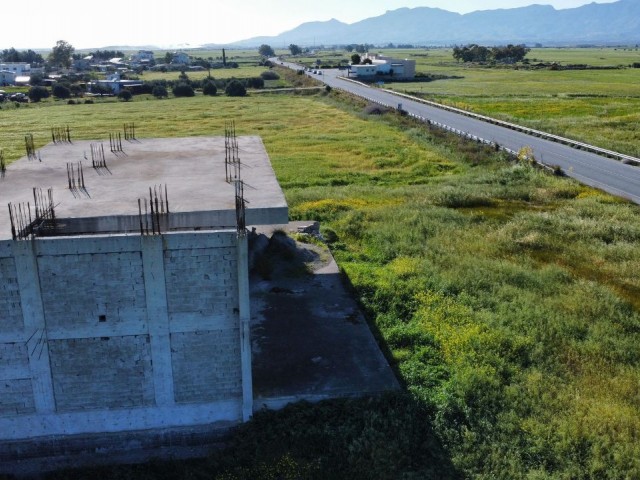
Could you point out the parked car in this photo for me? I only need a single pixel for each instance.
(18, 97)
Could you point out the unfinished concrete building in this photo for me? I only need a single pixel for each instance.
(125, 302)
(124, 299)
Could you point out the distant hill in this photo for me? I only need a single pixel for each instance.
(608, 23)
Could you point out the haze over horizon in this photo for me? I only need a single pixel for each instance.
(87, 25)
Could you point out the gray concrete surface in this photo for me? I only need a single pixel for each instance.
(192, 168)
(310, 339)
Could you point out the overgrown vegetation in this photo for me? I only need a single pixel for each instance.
(506, 298)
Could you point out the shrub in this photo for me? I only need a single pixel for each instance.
(183, 90)
(235, 89)
(270, 75)
(101, 89)
(61, 91)
(255, 82)
(71, 101)
(160, 91)
(374, 109)
(125, 95)
(209, 88)
(88, 101)
(38, 93)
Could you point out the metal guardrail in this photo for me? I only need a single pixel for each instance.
(512, 126)
(529, 131)
(448, 128)
(551, 168)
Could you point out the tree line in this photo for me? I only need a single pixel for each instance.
(480, 54)
(11, 55)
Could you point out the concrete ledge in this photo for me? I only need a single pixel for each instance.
(35, 456)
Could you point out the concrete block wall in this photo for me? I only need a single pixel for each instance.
(100, 287)
(121, 333)
(101, 373)
(10, 309)
(206, 366)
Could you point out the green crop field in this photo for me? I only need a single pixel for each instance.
(596, 106)
(506, 299)
(244, 71)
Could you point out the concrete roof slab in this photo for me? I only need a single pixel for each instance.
(193, 170)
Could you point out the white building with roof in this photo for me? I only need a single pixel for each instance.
(385, 65)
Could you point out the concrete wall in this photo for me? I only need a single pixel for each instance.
(121, 333)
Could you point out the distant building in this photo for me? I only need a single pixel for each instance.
(9, 72)
(144, 58)
(141, 56)
(83, 63)
(115, 83)
(384, 65)
(19, 68)
(180, 58)
(7, 77)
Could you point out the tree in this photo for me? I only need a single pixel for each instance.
(355, 59)
(270, 75)
(35, 80)
(295, 49)
(266, 50)
(61, 54)
(183, 90)
(61, 91)
(12, 55)
(101, 89)
(160, 91)
(235, 89)
(38, 93)
(125, 95)
(254, 82)
(209, 88)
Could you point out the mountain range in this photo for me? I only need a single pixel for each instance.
(595, 23)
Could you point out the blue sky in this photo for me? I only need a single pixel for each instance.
(102, 23)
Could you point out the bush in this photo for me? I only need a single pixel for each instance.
(71, 101)
(270, 75)
(61, 91)
(235, 89)
(101, 89)
(35, 80)
(88, 101)
(125, 95)
(160, 91)
(255, 82)
(209, 88)
(183, 90)
(38, 93)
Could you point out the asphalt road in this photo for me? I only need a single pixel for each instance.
(591, 169)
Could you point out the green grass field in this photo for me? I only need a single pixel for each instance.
(241, 72)
(505, 298)
(600, 107)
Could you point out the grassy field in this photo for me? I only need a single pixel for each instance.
(245, 71)
(601, 107)
(505, 298)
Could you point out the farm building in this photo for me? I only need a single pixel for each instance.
(384, 65)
